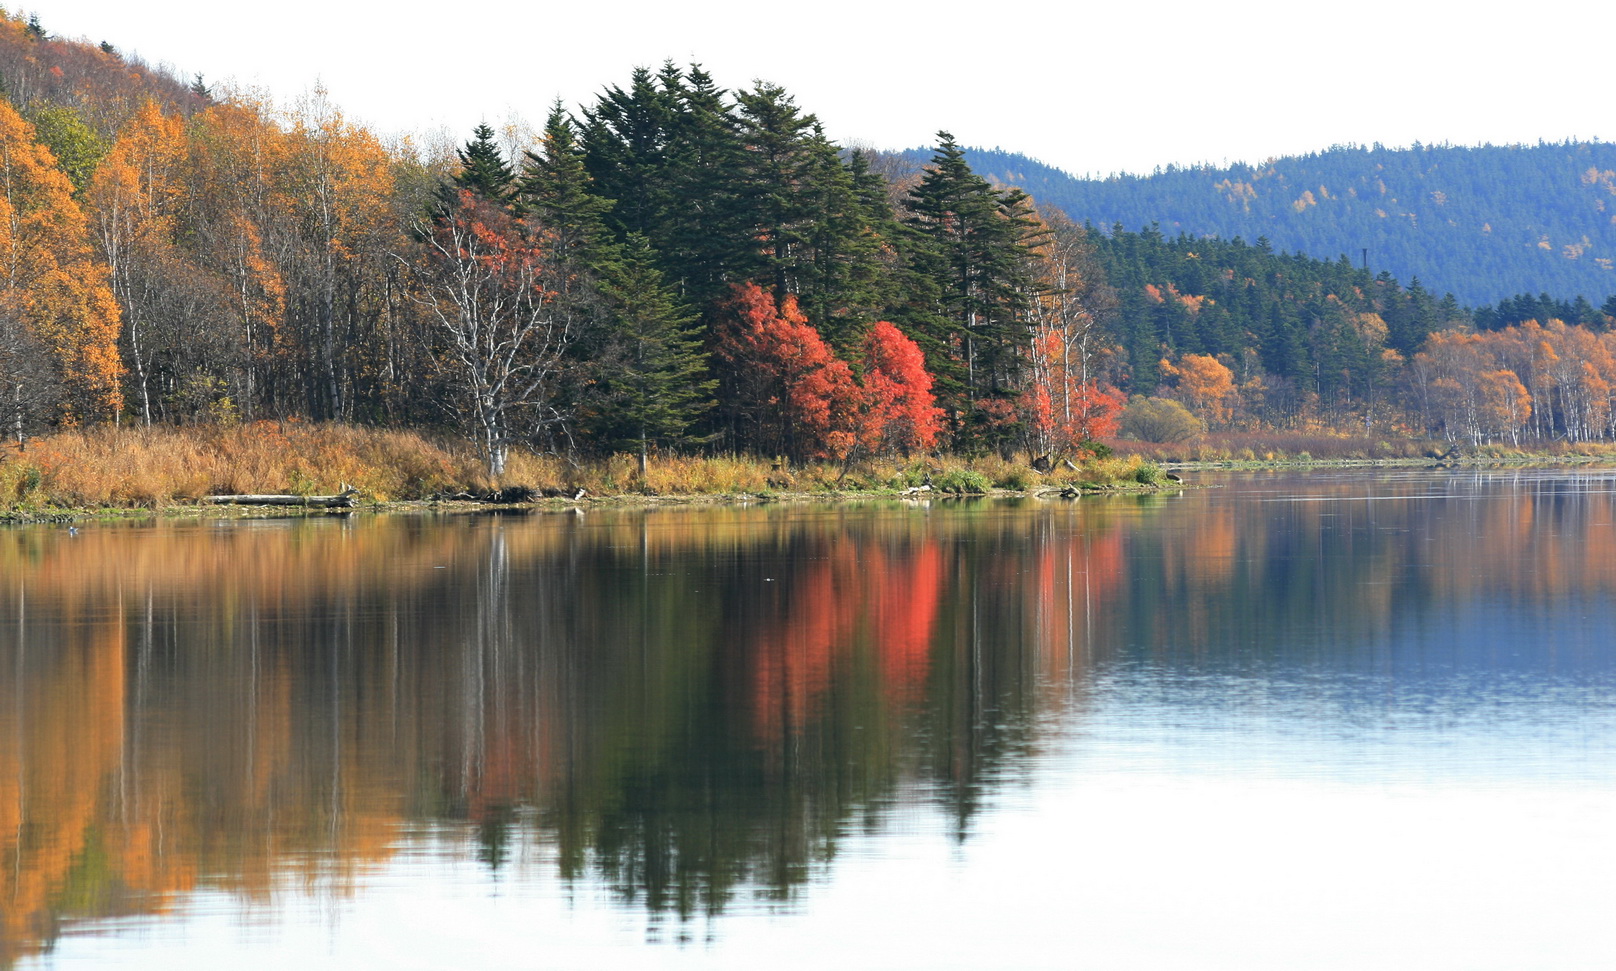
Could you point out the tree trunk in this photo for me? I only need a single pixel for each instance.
(342, 500)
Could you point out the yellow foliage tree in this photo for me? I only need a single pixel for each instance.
(1205, 384)
(53, 291)
(133, 200)
(245, 227)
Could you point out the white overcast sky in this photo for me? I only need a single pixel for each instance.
(1087, 87)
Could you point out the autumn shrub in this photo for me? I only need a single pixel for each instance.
(20, 481)
(1103, 471)
(1159, 420)
(1282, 446)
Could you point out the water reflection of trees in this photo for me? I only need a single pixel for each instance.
(685, 705)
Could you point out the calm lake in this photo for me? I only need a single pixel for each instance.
(1329, 720)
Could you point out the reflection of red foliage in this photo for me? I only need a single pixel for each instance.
(502, 776)
(1075, 582)
(792, 658)
(903, 616)
(890, 598)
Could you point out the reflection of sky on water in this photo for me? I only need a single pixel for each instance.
(1135, 867)
(1487, 695)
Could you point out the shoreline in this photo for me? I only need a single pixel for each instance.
(64, 516)
(49, 515)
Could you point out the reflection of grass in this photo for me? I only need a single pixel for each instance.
(1242, 449)
(1280, 447)
(160, 466)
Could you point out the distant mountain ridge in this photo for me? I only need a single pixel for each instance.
(1484, 223)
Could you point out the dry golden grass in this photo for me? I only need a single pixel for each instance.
(154, 467)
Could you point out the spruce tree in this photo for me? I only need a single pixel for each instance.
(777, 166)
(556, 192)
(845, 284)
(975, 242)
(483, 169)
(703, 241)
(624, 141)
(657, 387)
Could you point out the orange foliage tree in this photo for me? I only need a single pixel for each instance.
(243, 234)
(134, 200)
(55, 303)
(339, 181)
(1205, 384)
(1533, 380)
(1063, 406)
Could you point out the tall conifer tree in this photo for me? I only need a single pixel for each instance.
(556, 192)
(658, 386)
(974, 241)
(483, 168)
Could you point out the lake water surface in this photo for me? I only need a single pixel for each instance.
(1335, 720)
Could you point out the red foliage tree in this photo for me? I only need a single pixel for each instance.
(789, 392)
(488, 286)
(897, 410)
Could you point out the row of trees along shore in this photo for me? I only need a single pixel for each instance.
(675, 266)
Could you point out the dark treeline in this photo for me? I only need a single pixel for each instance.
(674, 266)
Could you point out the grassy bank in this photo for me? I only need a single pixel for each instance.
(155, 468)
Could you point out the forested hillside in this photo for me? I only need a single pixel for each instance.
(1484, 223)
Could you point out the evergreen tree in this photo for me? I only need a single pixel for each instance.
(844, 284)
(624, 139)
(777, 167)
(556, 192)
(483, 169)
(703, 243)
(974, 240)
(658, 386)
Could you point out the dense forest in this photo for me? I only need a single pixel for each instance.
(1484, 222)
(675, 266)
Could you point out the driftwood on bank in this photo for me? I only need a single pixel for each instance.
(342, 500)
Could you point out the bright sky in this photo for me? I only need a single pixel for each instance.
(1088, 87)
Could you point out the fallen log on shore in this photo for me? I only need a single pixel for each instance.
(342, 500)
